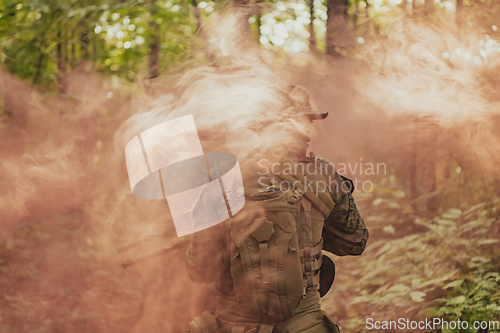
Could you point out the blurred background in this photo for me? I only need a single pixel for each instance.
(412, 87)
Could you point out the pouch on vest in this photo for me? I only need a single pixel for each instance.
(204, 323)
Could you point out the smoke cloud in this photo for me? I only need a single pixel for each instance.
(65, 201)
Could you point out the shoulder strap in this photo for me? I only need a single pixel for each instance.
(322, 200)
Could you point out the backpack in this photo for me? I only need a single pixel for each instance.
(269, 279)
(275, 267)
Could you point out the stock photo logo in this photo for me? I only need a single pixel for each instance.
(167, 161)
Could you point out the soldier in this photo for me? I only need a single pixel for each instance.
(266, 260)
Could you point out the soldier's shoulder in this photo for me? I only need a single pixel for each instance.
(328, 170)
(319, 165)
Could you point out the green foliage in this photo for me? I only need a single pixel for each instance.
(419, 262)
(475, 297)
(41, 40)
(422, 267)
(125, 37)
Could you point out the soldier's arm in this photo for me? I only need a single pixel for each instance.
(344, 231)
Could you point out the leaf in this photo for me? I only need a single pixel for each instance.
(482, 260)
(417, 296)
(457, 300)
(491, 274)
(473, 208)
(374, 218)
(436, 281)
(389, 229)
(489, 285)
(453, 284)
(445, 310)
(398, 194)
(385, 248)
(486, 241)
(394, 205)
(482, 293)
(452, 214)
(399, 288)
(377, 201)
(445, 222)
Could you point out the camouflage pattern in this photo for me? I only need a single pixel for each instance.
(345, 231)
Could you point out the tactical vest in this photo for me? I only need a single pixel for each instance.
(273, 274)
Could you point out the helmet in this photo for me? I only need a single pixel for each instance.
(300, 103)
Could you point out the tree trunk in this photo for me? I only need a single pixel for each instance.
(336, 27)
(413, 163)
(356, 14)
(458, 16)
(367, 18)
(154, 56)
(62, 57)
(404, 5)
(240, 3)
(259, 24)
(203, 35)
(429, 6)
(61, 66)
(84, 46)
(312, 34)
(242, 6)
(432, 162)
(154, 46)
(43, 35)
(38, 68)
(414, 7)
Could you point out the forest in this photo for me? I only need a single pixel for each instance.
(412, 88)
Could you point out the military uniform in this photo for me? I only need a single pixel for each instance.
(266, 266)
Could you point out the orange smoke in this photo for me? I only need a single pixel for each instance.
(66, 205)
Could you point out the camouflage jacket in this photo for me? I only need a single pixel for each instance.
(344, 230)
(306, 218)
